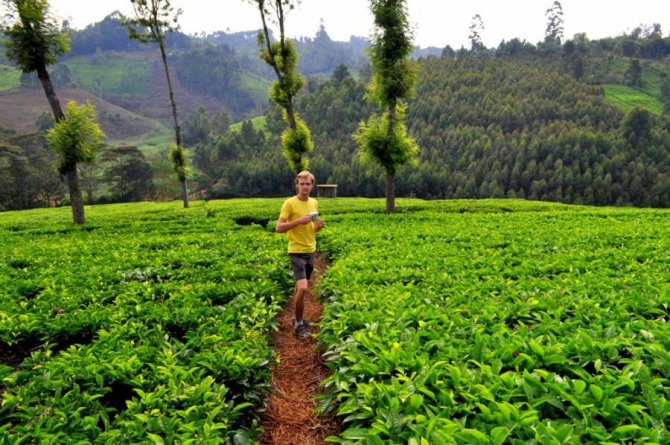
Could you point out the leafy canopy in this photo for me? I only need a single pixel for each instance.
(394, 74)
(179, 156)
(297, 142)
(33, 40)
(386, 141)
(78, 137)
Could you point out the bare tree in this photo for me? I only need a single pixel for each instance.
(153, 19)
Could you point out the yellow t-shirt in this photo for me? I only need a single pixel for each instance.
(302, 238)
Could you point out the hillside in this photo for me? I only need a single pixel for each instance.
(581, 122)
(20, 109)
(487, 127)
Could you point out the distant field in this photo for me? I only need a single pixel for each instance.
(121, 73)
(627, 98)
(255, 83)
(259, 124)
(10, 78)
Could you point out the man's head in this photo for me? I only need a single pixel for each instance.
(304, 181)
(304, 176)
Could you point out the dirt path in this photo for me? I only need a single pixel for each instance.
(290, 418)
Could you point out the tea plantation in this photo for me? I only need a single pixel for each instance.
(449, 322)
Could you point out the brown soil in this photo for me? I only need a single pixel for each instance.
(291, 417)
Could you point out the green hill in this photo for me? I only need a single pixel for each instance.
(547, 122)
(20, 110)
(487, 127)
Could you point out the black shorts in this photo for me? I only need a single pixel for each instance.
(303, 265)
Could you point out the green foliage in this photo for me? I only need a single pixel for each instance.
(627, 98)
(128, 173)
(78, 137)
(29, 178)
(496, 322)
(637, 127)
(151, 324)
(179, 157)
(386, 142)
(10, 78)
(393, 73)
(258, 122)
(284, 57)
(108, 74)
(35, 40)
(296, 143)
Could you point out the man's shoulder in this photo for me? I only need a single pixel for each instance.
(290, 200)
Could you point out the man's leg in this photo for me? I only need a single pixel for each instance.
(301, 290)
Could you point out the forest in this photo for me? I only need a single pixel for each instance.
(520, 120)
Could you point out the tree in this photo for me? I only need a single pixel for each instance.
(637, 127)
(554, 31)
(665, 94)
(33, 42)
(475, 36)
(384, 138)
(76, 138)
(129, 173)
(633, 74)
(282, 56)
(153, 19)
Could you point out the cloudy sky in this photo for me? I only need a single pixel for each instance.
(435, 22)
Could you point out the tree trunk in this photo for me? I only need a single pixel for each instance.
(177, 130)
(54, 103)
(184, 189)
(71, 170)
(390, 170)
(390, 191)
(75, 194)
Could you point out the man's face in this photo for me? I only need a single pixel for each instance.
(304, 186)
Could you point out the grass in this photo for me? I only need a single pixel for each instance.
(255, 83)
(111, 72)
(153, 145)
(259, 123)
(10, 78)
(626, 98)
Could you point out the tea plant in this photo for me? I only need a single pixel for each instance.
(150, 324)
(499, 327)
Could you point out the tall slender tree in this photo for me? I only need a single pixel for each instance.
(33, 42)
(282, 56)
(384, 138)
(153, 19)
(554, 31)
(475, 36)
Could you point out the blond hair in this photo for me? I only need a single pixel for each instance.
(304, 174)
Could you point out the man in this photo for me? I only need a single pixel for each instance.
(299, 217)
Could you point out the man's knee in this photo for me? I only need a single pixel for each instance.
(302, 285)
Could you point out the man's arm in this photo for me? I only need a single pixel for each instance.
(284, 226)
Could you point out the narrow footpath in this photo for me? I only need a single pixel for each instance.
(290, 418)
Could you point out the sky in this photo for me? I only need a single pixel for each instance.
(435, 22)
